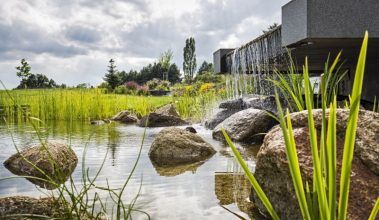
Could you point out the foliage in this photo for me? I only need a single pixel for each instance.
(291, 84)
(33, 81)
(23, 70)
(209, 77)
(165, 58)
(189, 57)
(151, 71)
(205, 67)
(206, 87)
(37, 81)
(323, 153)
(157, 84)
(112, 77)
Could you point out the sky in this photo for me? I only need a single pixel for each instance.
(72, 41)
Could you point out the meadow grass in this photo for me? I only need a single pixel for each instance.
(94, 104)
(74, 104)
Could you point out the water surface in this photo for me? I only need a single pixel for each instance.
(186, 192)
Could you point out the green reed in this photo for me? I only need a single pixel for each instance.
(320, 201)
(74, 104)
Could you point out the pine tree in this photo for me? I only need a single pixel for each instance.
(112, 77)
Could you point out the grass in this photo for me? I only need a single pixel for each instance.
(94, 104)
(320, 201)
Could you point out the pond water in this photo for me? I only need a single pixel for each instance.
(185, 192)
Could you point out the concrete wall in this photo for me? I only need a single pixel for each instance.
(304, 20)
(219, 61)
(343, 18)
(294, 22)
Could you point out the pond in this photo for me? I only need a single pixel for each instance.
(185, 192)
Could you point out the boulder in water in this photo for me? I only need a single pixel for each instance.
(163, 117)
(219, 117)
(273, 174)
(245, 126)
(125, 117)
(168, 109)
(56, 160)
(23, 205)
(175, 146)
(237, 104)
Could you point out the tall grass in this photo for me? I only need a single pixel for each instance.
(324, 191)
(74, 104)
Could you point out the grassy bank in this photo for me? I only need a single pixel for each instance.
(92, 104)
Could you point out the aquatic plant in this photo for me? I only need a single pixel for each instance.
(321, 202)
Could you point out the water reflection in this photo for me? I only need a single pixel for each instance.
(190, 190)
(176, 170)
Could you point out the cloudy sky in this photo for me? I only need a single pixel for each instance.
(72, 41)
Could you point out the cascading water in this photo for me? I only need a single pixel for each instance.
(251, 64)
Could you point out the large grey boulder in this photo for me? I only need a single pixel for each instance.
(163, 117)
(238, 104)
(219, 117)
(245, 126)
(175, 146)
(273, 174)
(266, 103)
(125, 117)
(56, 161)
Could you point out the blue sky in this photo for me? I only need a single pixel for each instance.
(71, 41)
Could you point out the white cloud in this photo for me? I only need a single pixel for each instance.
(72, 40)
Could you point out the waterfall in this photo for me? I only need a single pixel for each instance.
(251, 64)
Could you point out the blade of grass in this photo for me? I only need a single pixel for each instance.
(262, 196)
(348, 152)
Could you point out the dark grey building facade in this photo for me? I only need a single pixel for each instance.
(315, 28)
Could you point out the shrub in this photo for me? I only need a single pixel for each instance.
(157, 84)
(206, 87)
(131, 85)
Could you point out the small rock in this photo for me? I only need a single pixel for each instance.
(18, 205)
(159, 120)
(245, 126)
(97, 122)
(175, 146)
(191, 129)
(63, 156)
(125, 117)
(168, 109)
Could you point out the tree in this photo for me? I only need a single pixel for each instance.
(205, 67)
(23, 71)
(189, 63)
(165, 60)
(112, 77)
(174, 74)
